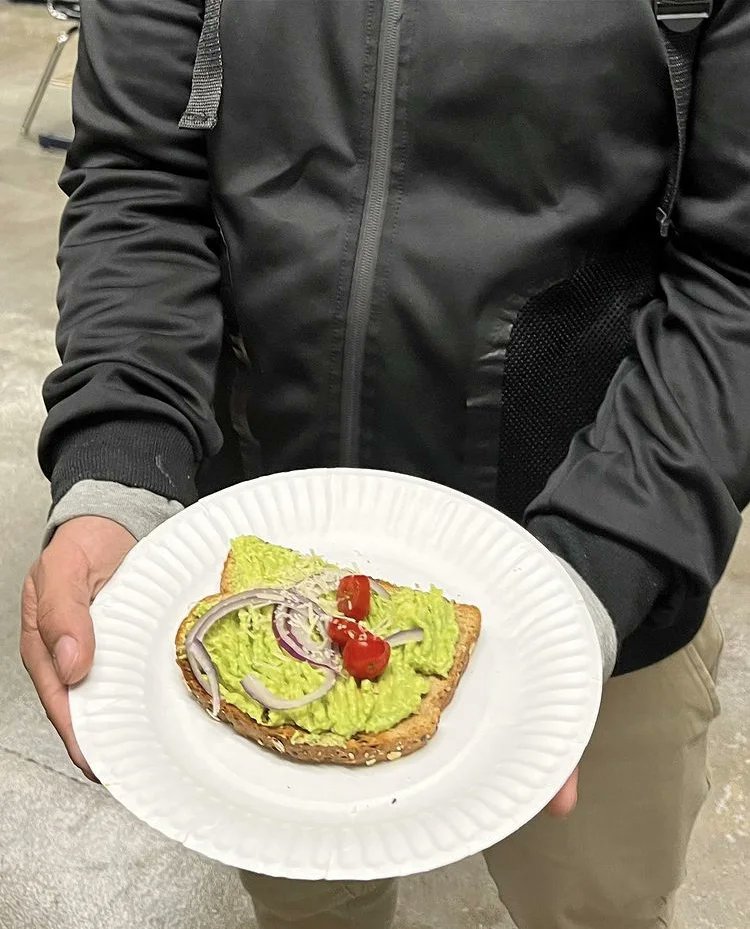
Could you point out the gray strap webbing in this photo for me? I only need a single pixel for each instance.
(680, 22)
(203, 106)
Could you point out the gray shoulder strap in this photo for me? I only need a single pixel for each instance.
(680, 24)
(203, 106)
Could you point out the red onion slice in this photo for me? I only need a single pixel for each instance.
(258, 691)
(198, 673)
(197, 654)
(260, 596)
(296, 640)
(377, 588)
(284, 635)
(316, 615)
(292, 636)
(205, 673)
(405, 636)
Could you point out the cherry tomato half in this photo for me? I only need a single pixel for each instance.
(353, 596)
(342, 631)
(366, 659)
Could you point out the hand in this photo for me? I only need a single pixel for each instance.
(564, 802)
(57, 637)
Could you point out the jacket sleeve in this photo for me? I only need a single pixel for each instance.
(647, 503)
(140, 326)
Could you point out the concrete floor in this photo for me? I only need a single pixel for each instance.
(69, 855)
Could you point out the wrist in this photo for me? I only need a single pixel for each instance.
(134, 509)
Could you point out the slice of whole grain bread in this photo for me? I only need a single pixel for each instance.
(402, 739)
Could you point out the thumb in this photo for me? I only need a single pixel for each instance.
(64, 593)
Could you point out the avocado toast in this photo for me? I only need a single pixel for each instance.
(264, 677)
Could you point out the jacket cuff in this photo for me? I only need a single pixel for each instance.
(148, 454)
(600, 618)
(137, 510)
(626, 581)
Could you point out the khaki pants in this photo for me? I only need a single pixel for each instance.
(618, 860)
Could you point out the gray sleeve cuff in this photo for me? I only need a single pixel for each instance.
(605, 629)
(137, 510)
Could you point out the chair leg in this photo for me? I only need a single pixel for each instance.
(60, 42)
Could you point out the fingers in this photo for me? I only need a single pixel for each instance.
(57, 638)
(52, 693)
(63, 594)
(54, 698)
(564, 802)
(57, 635)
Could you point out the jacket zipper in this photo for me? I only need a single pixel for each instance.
(370, 231)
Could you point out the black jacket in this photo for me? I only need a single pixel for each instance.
(430, 226)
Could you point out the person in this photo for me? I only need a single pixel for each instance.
(421, 237)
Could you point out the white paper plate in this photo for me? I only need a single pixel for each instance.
(518, 724)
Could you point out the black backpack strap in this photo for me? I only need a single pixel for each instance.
(680, 24)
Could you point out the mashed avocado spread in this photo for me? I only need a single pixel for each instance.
(244, 643)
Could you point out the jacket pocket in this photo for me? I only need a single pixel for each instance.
(208, 73)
